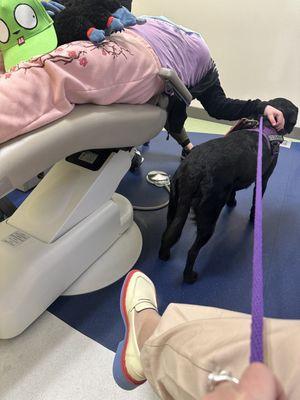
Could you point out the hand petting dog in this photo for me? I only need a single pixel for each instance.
(275, 117)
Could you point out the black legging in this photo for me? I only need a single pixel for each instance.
(127, 4)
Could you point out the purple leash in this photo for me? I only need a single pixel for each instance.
(257, 351)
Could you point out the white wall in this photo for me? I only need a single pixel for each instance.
(255, 43)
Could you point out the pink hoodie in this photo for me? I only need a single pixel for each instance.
(123, 69)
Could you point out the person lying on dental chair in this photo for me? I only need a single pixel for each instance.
(122, 69)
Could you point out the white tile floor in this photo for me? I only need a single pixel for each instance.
(52, 361)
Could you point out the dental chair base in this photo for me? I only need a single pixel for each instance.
(73, 234)
(112, 265)
(72, 229)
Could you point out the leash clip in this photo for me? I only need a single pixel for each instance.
(275, 141)
(276, 138)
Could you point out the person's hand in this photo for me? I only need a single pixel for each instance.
(275, 117)
(257, 383)
(53, 7)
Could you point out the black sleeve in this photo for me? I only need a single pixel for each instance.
(219, 106)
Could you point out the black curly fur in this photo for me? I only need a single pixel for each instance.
(80, 15)
(208, 179)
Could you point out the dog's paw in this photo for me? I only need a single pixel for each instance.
(190, 278)
(232, 203)
(164, 255)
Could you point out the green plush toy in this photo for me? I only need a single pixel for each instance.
(26, 31)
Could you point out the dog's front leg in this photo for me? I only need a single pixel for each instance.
(265, 179)
(252, 212)
(231, 201)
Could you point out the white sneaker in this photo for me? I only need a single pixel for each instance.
(138, 293)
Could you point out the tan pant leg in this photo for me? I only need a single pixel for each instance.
(192, 341)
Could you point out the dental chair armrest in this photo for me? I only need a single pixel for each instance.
(175, 83)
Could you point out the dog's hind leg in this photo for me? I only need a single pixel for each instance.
(207, 214)
(173, 230)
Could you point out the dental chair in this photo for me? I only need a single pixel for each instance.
(73, 234)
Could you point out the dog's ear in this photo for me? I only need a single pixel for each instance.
(289, 110)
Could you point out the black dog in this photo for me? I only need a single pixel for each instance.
(210, 176)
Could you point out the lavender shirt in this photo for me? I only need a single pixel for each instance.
(177, 48)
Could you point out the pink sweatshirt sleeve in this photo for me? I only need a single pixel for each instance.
(122, 70)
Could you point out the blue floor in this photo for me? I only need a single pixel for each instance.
(224, 265)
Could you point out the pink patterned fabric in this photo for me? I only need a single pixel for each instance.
(123, 69)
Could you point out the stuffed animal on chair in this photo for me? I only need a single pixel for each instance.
(92, 19)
